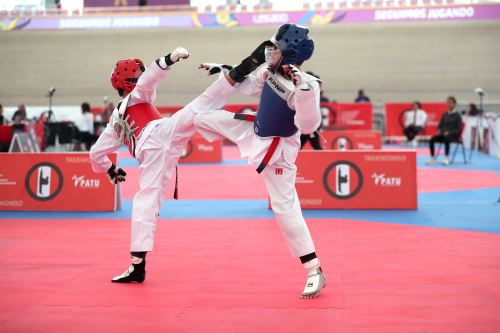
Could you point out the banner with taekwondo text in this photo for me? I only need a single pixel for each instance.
(357, 179)
(54, 182)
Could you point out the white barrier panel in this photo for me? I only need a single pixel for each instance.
(483, 133)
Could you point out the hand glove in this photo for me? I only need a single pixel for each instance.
(176, 55)
(116, 175)
(215, 68)
(296, 76)
(251, 63)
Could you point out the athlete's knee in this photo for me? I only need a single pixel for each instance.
(205, 125)
(202, 120)
(199, 120)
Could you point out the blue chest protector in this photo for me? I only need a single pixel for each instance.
(274, 116)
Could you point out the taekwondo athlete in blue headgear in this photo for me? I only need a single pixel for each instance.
(289, 104)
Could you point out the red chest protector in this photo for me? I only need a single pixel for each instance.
(138, 116)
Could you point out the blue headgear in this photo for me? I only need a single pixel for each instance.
(294, 44)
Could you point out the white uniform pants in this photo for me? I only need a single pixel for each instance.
(279, 176)
(158, 157)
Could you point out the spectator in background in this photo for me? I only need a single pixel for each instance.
(414, 122)
(362, 98)
(314, 137)
(2, 118)
(448, 131)
(58, 4)
(142, 3)
(85, 125)
(19, 116)
(472, 110)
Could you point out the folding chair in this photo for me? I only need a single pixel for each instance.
(458, 143)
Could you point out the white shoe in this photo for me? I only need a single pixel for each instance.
(432, 161)
(446, 161)
(414, 143)
(316, 280)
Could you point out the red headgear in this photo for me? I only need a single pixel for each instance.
(126, 73)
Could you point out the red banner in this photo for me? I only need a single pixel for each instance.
(357, 179)
(394, 117)
(6, 134)
(341, 116)
(350, 140)
(200, 150)
(60, 182)
(345, 116)
(350, 116)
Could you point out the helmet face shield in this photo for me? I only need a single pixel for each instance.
(270, 55)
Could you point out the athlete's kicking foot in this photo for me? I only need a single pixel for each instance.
(316, 280)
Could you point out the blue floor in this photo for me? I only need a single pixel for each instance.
(475, 210)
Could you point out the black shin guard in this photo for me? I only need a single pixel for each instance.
(308, 257)
(139, 254)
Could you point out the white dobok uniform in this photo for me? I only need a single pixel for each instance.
(157, 148)
(417, 118)
(280, 172)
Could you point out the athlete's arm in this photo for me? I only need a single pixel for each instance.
(306, 101)
(106, 144)
(145, 90)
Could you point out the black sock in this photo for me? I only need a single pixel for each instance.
(141, 255)
(308, 257)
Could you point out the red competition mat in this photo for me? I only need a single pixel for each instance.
(440, 180)
(230, 275)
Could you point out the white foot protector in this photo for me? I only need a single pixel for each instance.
(315, 282)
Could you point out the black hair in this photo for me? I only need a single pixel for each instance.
(419, 105)
(85, 107)
(453, 99)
